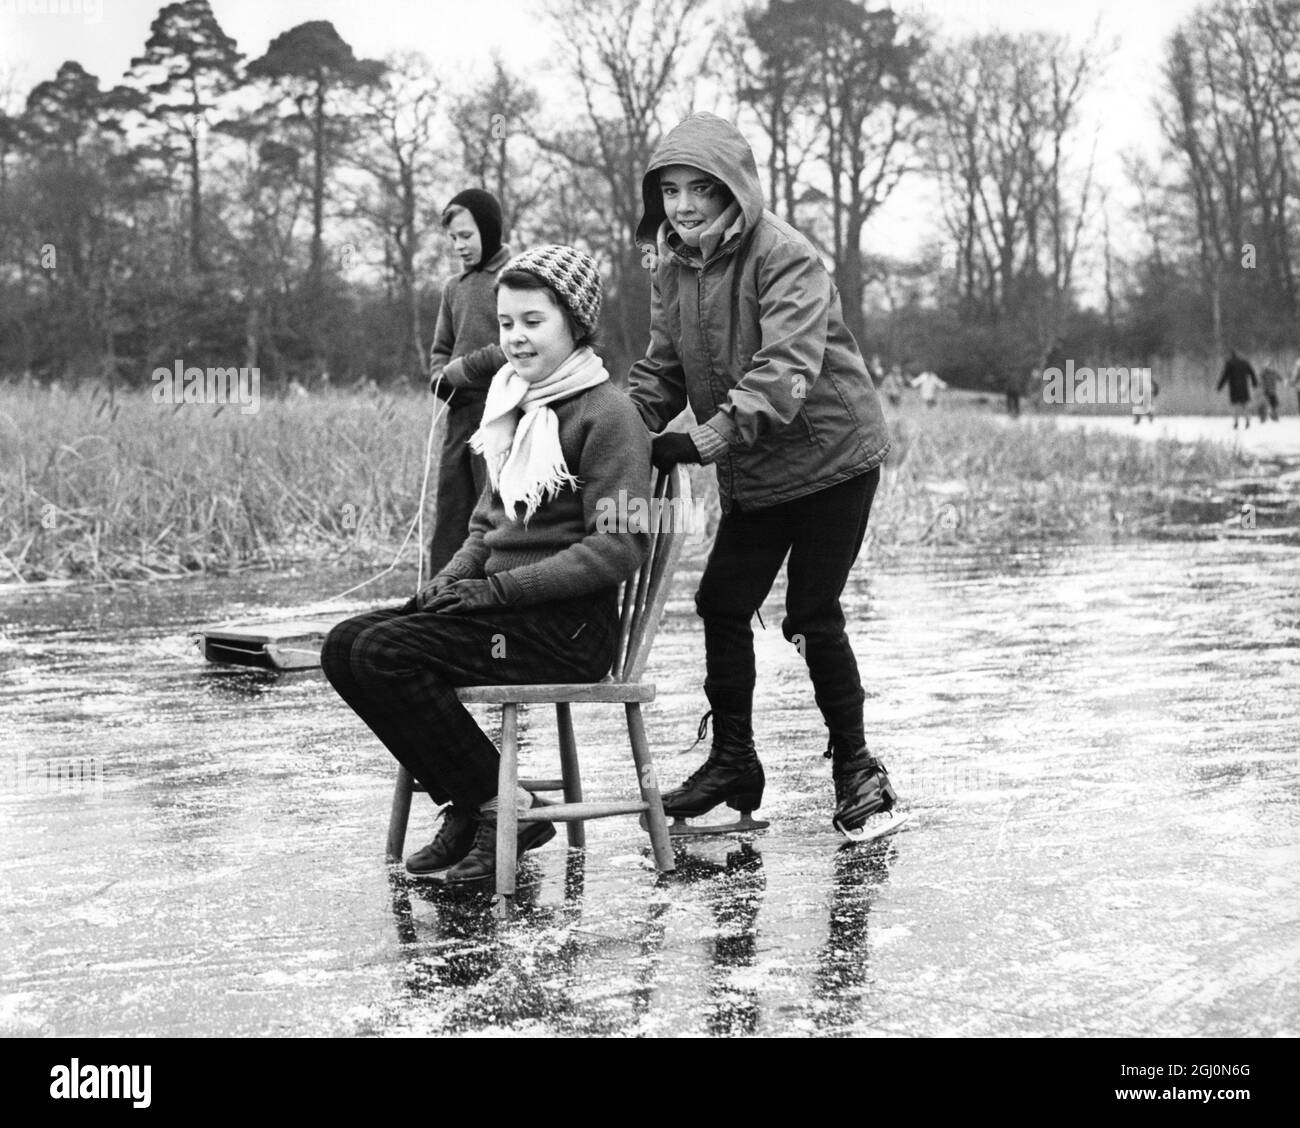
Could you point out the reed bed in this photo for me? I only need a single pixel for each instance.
(99, 487)
(968, 476)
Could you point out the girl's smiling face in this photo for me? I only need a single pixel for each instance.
(465, 238)
(692, 200)
(535, 333)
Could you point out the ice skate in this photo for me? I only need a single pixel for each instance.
(865, 801)
(732, 775)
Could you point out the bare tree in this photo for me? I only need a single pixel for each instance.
(1006, 113)
(397, 153)
(1230, 113)
(771, 64)
(831, 86)
(869, 110)
(491, 121)
(628, 57)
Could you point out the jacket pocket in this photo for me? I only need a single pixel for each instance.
(810, 432)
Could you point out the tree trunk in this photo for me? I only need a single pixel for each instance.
(196, 206)
(318, 194)
(848, 276)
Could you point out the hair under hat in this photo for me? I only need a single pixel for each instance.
(571, 273)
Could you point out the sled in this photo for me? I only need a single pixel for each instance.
(291, 645)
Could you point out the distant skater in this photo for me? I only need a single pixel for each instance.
(892, 385)
(1270, 379)
(1150, 413)
(930, 385)
(1240, 378)
(1012, 386)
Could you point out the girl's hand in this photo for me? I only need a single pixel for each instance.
(465, 597)
(672, 447)
(431, 590)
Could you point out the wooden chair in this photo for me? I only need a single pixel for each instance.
(643, 599)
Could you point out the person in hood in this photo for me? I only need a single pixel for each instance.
(464, 357)
(747, 328)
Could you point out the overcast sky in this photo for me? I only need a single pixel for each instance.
(36, 36)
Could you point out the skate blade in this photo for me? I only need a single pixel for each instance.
(875, 827)
(680, 828)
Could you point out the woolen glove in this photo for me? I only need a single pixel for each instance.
(452, 377)
(479, 366)
(670, 448)
(464, 597)
(440, 583)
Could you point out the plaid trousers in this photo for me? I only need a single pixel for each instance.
(398, 669)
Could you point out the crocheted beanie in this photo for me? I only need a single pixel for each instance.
(571, 273)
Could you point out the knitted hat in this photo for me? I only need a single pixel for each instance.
(486, 210)
(571, 273)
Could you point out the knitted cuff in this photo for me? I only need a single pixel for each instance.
(454, 373)
(708, 442)
(467, 572)
(507, 587)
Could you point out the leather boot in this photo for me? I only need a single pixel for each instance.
(862, 786)
(452, 842)
(731, 774)
(481, 861)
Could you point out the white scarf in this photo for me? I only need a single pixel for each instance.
(519, 437)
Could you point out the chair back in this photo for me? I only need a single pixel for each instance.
(644, 595)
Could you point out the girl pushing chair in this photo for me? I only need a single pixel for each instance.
(747, 327)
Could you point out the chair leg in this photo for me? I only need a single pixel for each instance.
(507, 813)
(570, 771)
(645, 777)
(400, 814)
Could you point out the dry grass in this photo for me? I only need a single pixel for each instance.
(970, 476)
(100, 488)
(97, 488)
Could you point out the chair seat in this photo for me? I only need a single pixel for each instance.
(606, 691)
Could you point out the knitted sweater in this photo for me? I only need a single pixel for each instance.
(562, 553)
(467, 326)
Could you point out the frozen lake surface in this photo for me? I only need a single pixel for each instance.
(1098, 746)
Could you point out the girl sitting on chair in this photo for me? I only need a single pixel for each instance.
(530, 597)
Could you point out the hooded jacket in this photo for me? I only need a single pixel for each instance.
(467, 335)
(750, 331)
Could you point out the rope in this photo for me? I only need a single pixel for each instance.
(417, 524)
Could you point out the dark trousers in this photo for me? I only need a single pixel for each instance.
(822, 534)
(397, 668)
(462, 475)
